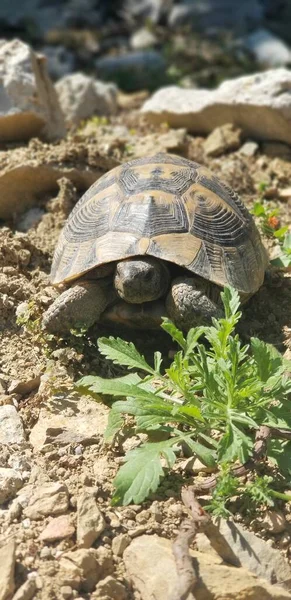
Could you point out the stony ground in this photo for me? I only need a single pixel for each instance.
(55, 472)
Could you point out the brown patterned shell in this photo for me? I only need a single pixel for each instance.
(168, 207)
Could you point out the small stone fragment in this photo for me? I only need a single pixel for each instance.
(11, 427)
(26, 590)
(119, 543)
(249, 148)
(7, 567)
(10, 482)
(80, 570)
(110, 589)
(24, 387)
(59, 528)
(274, 521)
(223, 139)
(66, 592)
(48, 499)
(90, 521)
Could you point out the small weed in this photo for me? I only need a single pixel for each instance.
(211, 399)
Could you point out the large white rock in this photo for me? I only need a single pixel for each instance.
(259, 104)
(81, 97)
(28, 101)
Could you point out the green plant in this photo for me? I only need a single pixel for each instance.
(269, 220)
(212, 399)
(284, 258)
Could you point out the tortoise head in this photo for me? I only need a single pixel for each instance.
(141, 279)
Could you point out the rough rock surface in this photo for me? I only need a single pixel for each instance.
(90, 521)
(11, 427)
(259, 104)
(150, 566)
(58, 528)
(81, 96)
(253, 553)
(222, 139)
(26, 174)
(7, 562)
(48, 499)
(28, 106)
(10, 482)
(83, 426)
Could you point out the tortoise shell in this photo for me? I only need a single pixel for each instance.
(168, 207)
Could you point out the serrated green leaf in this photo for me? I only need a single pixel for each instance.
(192, 339)
(267, 364)
(234, 445)
(206, 455)
(117, 386)
(279, 453)
(114, 424)
(142, 472)
(174, 332)
(123, 353)
(231, 301)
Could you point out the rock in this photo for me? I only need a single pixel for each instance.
(18, 386)
(222, 14)
(252, 552)
(80, 570)
(10, 482)
(90, 521)
(27, 174)
(60, 61)
(268, 50)
(151, 568)
(59, 528)
(26, 590)
(274, 521)
(85, 427)
(48, 499)
(134, 70)
(29, 106)
(259, 104)
(174, 140)
(249, 149)
(110, 589)
(222, 139)
(7, 562)
(143, 38)
(11, 427)
(81, 96)
(285, 194)
(119, 543)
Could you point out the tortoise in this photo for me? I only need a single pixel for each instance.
(159, 235)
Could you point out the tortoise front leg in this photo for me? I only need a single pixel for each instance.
(78, 307)
(189, 303)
